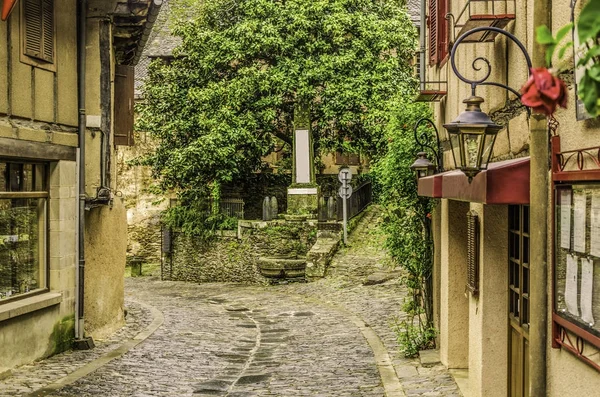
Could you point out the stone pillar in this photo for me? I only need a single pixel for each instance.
(303, 194)
(454, 305)
(488, 312)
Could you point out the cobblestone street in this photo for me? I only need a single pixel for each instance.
(327, 338)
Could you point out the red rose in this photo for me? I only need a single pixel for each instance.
(543, 92)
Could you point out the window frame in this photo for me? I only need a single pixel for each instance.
(29, 59)
(44, 264)
(439, 49)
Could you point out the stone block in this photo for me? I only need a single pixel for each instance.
(429, 358)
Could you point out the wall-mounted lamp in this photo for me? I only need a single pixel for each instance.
(473, 133)
(423, 166)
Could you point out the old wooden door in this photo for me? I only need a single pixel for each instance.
(518, 294)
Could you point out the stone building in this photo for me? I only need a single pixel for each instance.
(515, 314)
(66, 97)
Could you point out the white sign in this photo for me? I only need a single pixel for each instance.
(565, 219)
(595, 225)
(587, 287)
(571, 285)
(579, 215)
(345, 175)
(345, 191)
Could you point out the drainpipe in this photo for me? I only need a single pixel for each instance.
(81, 342)
(422, 38)
(538, 132)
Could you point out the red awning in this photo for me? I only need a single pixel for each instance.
(504, 182)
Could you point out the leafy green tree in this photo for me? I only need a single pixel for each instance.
(243, 66)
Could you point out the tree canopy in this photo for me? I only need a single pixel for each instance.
(229, 93)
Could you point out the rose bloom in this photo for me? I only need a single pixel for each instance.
(543, 92)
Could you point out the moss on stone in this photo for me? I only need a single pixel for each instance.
(62, 335)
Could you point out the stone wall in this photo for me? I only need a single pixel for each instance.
(143, 207)
(235, 258)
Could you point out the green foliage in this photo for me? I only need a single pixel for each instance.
(229, 94)
(588, 33)
(413, 338)
(407, 221)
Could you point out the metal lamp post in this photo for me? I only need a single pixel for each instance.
(473, 133)
(423, 166)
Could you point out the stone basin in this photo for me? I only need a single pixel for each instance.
(282, 267)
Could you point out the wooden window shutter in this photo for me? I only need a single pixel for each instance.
(433, 32)
(124, 101)
(38, 29)
(473, 252)
(443, 34)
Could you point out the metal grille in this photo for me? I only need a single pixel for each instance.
(473, 252)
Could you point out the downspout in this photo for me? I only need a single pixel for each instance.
(80, 341)
(539, 145)
(422, 47)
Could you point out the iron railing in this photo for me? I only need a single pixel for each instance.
(360, 199)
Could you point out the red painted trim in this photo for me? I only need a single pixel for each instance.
(578, 331)
(431, 186)
(504, 182)
(7, 7)
(486, 17)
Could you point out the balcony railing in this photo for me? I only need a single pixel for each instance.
(478, 13)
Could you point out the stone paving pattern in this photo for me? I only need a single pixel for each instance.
(235, 340)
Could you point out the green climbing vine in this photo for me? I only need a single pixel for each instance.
(407, 224)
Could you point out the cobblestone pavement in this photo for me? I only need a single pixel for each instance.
(234, 340)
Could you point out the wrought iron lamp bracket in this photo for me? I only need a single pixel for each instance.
(422, 141)
(477, 61)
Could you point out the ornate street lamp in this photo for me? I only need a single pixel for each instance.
(423, 166)
(473, 133)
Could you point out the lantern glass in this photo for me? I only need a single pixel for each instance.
(488, 147)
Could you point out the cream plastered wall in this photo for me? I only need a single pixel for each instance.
(454, 303)
(35, 333)
(106, 243)
(488, 312)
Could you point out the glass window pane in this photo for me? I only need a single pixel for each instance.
(40, 177)
(15, 176)
(27, 177)
(22, 246)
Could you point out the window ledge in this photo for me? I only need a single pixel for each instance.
(28, 305)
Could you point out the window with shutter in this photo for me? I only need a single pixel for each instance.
(433, 30)
(473, 252)
(438, 31)
(124, 97)
(38, 29)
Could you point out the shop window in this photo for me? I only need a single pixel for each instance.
(23, 213)
(37, 22)
(438, 31)
(124, 99)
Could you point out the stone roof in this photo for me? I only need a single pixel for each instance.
(414, 10)
(161, 43)
(133, 22)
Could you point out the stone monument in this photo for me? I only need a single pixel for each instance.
(303, 194)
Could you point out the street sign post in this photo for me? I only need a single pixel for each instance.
(345, 176)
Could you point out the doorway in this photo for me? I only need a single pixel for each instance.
(518, 305)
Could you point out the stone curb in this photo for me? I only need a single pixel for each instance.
(157, 322)
(389, 379)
